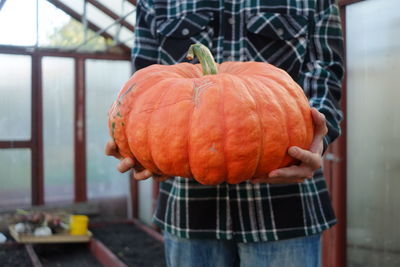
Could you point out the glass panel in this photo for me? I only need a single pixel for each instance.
(57, 29)
(104, 78)
(15, 178)
(102, 20)
(18, 23)
(58, 126)
(53, 24)
(15, 97)
(132, 17)
(71, 35)
(119, 7)
(373, 55)
(145, 201)
(76, 5)
(126, 35)
(98, 17)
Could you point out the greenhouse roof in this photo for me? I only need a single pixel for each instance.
(112, 20)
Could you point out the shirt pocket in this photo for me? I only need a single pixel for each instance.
(279, 39)
(177, 34)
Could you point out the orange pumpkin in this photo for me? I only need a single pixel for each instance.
(216, 123)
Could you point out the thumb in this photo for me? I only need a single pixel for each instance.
(320, 129)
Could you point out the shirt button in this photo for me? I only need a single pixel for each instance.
(231, 21)
(279, 31)
(185, 31)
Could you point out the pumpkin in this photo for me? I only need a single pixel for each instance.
(215, 123)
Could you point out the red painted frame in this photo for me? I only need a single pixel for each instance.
(37, 186)
(335, 239)
(35, 143)
(79, 132)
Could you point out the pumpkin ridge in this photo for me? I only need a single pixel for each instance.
(148, 131)
(189, 139)
(223, 126)
(287, 119)
(261, 152)
(294, 97)
(237, 96)
(195, 100)
(126, 112)
(303, 115)
(271, 104)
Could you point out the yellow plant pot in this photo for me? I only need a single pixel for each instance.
(78, 225)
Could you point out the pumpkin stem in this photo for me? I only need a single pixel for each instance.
(205, 57)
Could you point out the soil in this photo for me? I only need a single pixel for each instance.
(65, 255)
(131, 245)
(14, 255)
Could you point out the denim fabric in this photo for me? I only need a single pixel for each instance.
(295, 252)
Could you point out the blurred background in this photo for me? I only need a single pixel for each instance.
(62, 63)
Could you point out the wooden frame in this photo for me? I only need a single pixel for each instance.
(54, 238)
(35, 143)
(335, 239)
(79, 132)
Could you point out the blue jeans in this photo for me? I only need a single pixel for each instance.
(295, 252)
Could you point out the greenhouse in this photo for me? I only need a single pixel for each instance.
(63, 64)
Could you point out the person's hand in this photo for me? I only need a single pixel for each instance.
(127, 164)
(310, 160)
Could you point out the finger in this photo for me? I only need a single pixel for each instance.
(142, 175)
(308, 158)
(293, 172)
(125, 165)
(320, 130)
(112, 150)
(160, 178)
(319, 122)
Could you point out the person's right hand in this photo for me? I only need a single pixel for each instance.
(126, 164)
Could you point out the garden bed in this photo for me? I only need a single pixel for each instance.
(65, 255)
(121, 244)
(131, 244)
(14, 255)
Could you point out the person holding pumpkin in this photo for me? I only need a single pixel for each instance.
(276, 220)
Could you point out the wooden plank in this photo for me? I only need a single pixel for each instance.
(104, 255)
(33, 256)
(61, 52)
(80, 183)
(15, 144)
(37, 180)
(55, 238)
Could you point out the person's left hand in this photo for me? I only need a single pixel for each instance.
(311, 159)
(127, 164)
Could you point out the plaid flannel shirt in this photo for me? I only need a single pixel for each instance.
(301, 36)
